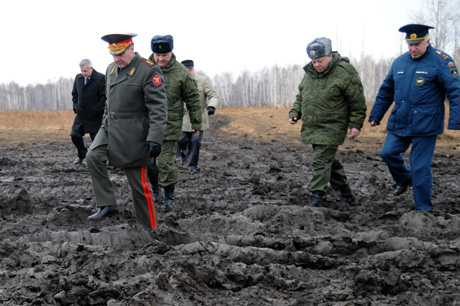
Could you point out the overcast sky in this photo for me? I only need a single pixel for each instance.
(45, 40)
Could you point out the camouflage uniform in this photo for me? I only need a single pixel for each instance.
(180, 87)
(329, 103)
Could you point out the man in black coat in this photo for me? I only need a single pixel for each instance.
(88, 96)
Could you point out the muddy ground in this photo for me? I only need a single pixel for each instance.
(239, 234)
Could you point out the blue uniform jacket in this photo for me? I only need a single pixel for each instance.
(419, 88)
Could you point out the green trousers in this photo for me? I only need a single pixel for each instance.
(326, 169)
(105, 193)
(163, 171)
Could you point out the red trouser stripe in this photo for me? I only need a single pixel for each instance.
(149, 198)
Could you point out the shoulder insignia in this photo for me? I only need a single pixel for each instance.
(148, 62)
(113, 69)
(442, 55)
(131, 73)
(454, 72)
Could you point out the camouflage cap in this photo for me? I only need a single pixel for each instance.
(319, 47)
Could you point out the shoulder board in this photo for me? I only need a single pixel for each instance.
(442, 55)
(147, 62)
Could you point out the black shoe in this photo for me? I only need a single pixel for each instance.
(104, 212)
(168, 201)
(156, 192)
(346, 194)
(78, 160)
(400, 189)
(316, 199)
(192, 169)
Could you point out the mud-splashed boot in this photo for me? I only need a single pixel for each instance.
(316, 199)
(346, 194)
(168, 201)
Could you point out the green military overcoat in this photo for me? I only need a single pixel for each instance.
(180, 88)
(135, 112)
(329, 103)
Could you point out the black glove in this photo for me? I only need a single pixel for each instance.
(153, 148)
(211, 110)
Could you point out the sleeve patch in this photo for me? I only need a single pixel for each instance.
(156, 80)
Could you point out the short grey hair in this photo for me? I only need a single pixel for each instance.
(86, 62)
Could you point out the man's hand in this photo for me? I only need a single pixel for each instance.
(373, 123)
(211, 110)
(293, 120)
(354, 132)
(153, 148)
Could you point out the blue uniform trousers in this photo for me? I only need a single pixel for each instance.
(419, 171)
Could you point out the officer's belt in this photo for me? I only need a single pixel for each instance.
(126, 115)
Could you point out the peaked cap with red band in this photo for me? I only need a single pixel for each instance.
(118, 42)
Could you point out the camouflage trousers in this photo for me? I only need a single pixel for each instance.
(326, 169)
(163, 170)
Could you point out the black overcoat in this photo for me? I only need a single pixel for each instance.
(88, 103)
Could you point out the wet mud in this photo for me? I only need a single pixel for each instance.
(239, 234)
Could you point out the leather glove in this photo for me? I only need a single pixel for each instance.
(153, 148)
(211, 110)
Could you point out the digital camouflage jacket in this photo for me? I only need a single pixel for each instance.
(329, 103)
(180, 88)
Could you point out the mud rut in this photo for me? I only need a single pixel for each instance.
(238, 236)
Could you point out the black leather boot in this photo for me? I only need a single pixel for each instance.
(316, 199)
(104, 212)
(400, 189)
(346, 194)
(156, 192)
(169, 196)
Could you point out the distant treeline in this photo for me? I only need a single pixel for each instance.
(273, 87)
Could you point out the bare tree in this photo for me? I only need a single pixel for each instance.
(444, 15)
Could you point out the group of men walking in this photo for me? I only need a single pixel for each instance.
(145, 126)
(141, 124)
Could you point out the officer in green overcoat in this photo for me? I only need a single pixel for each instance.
(180, 88)
(330, 101)
(132, 130)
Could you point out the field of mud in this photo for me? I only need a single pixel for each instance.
(238, 236)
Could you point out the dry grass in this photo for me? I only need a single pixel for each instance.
(28, 127)
(260, 123)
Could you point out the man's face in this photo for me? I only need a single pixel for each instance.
(419, 49)
(320, 64)
(191, 70)
(124, 59)
(86, 72)
(162, 59)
